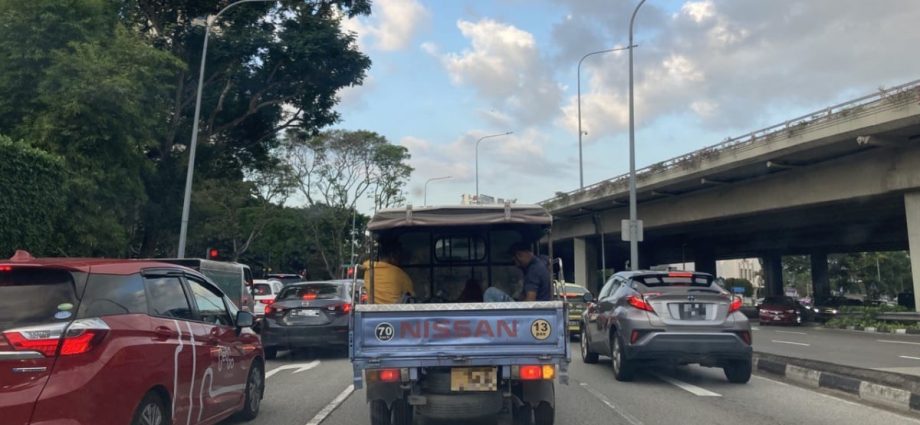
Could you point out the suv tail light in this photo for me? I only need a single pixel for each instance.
(79, 337)
(639, 303)
(735, 305)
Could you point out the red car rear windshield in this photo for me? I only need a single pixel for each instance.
(317, 291)
(657, 281)
(31, 296)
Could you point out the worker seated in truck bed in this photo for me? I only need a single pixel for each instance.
(391, 283)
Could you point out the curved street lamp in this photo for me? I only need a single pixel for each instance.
(429, 181)
(186, 203)
(477, 157)
(581, 173)
(633, 223)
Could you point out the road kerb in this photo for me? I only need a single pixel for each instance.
(835, 377)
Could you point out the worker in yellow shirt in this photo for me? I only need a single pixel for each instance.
(391, 283)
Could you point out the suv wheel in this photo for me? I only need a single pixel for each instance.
(586, 355)
(255, 383)
(738, 371)
(151, 411)
(622, 368)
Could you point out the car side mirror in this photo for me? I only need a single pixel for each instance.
(245, 319)
(588, 297)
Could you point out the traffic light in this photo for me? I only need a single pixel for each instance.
(213, 253)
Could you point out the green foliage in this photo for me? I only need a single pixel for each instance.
(32, 189)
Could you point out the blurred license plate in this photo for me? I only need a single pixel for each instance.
(306, 313)
(474, 379)
(693, 311)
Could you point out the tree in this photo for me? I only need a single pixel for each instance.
(335, 170)
(797, 273)
(270, 67)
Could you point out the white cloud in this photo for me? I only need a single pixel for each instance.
(391, 26)
(698, 11)
(505, 68)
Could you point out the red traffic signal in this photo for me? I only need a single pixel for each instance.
(213, 253)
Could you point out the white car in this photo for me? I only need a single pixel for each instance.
(264, 291)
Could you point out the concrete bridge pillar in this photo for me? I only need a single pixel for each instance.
(912, 208)
(585, 262)
(820, 283)
(704, 261)
(773, 274)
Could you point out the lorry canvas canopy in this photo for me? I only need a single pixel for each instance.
(465, 215)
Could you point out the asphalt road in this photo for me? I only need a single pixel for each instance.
(309, 390)
(889, 352)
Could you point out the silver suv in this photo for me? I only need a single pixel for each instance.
(672, 317)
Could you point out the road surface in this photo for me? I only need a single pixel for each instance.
(889, 352)
(309, 390)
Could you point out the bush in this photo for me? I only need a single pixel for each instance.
(31, 187)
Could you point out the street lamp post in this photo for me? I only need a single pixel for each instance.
(581, 173)
(429, 181)
(186, 203)
(633, 223)
(477, 157)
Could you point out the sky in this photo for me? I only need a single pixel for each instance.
(448, 72)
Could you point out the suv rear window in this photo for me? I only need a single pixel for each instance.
(108, 295)
(656, 281)
(31, 296)
(319, 291)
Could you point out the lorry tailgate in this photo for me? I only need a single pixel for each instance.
(406, 335)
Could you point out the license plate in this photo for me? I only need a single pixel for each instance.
(305, 313)
(777, 318)
(464, 379)
(693, 311)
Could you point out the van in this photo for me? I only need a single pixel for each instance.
(234, 279)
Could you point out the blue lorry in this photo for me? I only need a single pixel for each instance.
(444, 353)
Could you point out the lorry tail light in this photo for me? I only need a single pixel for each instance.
(639, 303)
(389, 375)
(536, 372)
(735, 305)
(531, 373)
(78, 337)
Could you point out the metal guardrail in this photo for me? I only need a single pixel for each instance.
(750, 138)
(908, 316)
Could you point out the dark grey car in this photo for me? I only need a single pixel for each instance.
(671, 317)
(308, 315)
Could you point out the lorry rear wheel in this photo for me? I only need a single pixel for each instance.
(380, 413)
(544, 414)
(402, 412)
(523, 415)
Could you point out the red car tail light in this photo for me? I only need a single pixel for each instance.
(735, 305)
(639, 303)
(79, 337)
(388, 375)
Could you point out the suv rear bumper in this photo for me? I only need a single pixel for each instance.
(689, 347)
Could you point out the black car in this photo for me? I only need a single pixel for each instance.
(308, 315)
(827, 308)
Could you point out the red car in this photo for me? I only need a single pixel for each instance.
(159, 343)
(781, 310)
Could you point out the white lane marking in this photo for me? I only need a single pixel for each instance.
(790, 342)
(321, 416)
(755, 328)
(597, 394)
(299, 366)
(693, 389)
(191, 387)
(888, 341)
(910, 357)
(791, 332)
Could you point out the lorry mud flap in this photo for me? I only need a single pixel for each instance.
(388, 392)
(533, 392)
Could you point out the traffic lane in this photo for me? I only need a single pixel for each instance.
(300, 386)
(698, 395)
(574, 406)
(851, 348)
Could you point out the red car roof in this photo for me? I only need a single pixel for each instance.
(96, 265)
